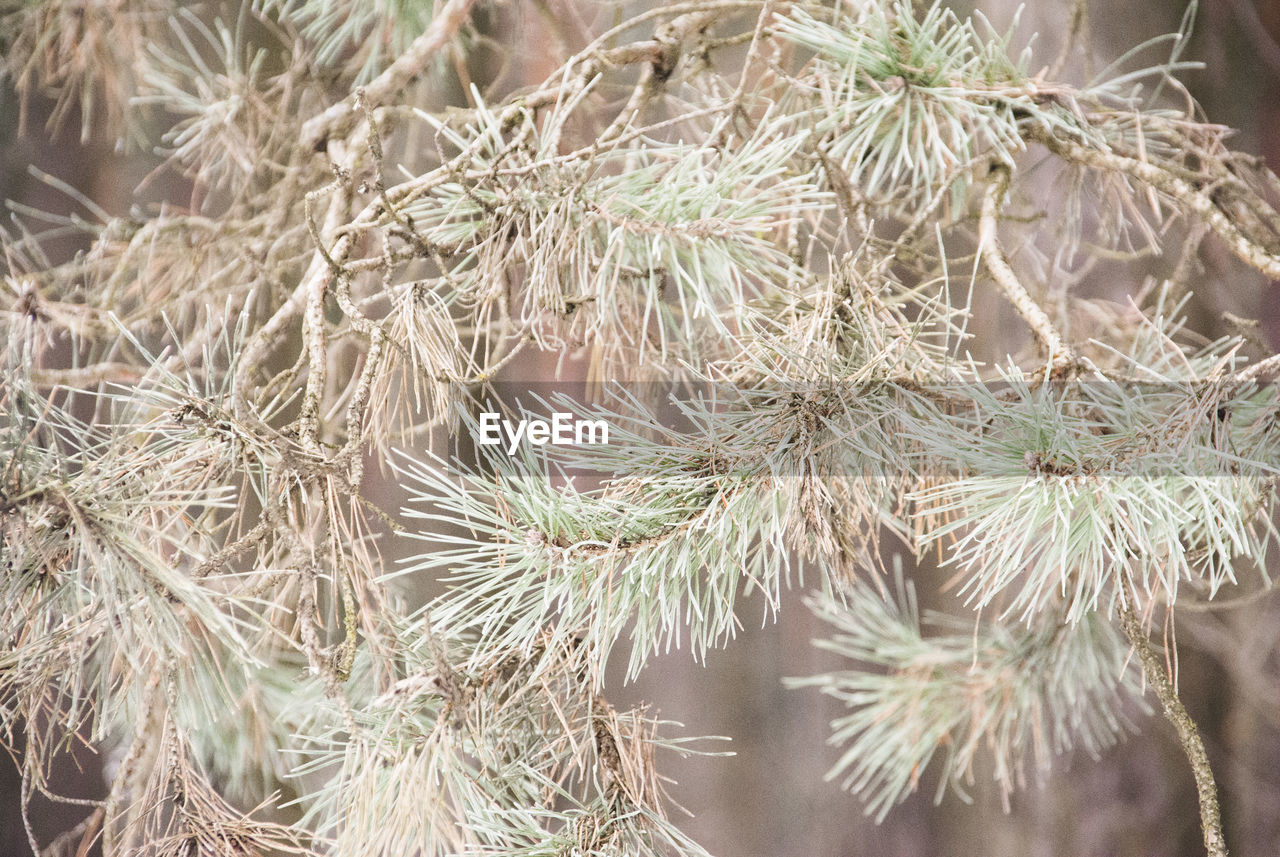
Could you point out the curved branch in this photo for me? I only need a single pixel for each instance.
(1007, 280)
(1188, 735)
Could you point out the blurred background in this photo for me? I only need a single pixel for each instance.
(770, 799)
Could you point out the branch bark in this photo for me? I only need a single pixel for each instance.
(1188, 735)
(1007, 280)
(1192, 199)
(409, 65)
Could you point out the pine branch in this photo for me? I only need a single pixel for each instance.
(993, 200)
(336, 119)
(756, 206)
(1188, 735)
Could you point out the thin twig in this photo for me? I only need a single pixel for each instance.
(1269, 366)
(232, 550)
(1006, 279)
(1078, 27)
(1188, 735)
(87, 376)
(444, 26)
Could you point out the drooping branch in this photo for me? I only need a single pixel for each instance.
(1194, 201)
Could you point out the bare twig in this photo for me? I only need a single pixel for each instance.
(409, 65)
(1188, 735)
(1079, 26)
(88, 376)
(1262, 368)
(1007, 280)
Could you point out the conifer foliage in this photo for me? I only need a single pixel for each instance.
(764, 231)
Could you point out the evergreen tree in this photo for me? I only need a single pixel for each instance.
(769, 236)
